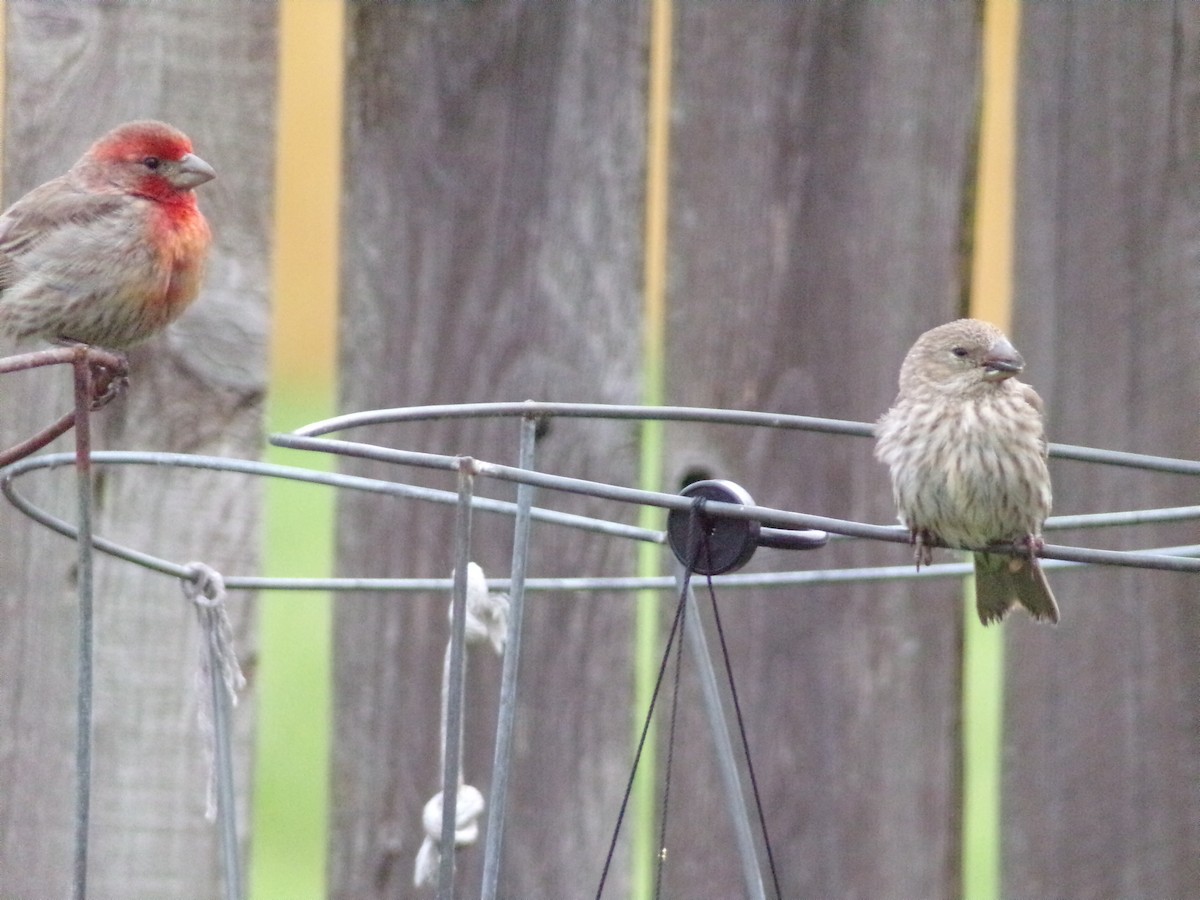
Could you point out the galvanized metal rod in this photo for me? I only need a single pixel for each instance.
(549, 410)
(763, 515)
(697, 414)
(1163, 559)
(83, 711)
(494, 844)
(570, 585)
(727, 763)
(1169, 558)
(456, 669)
(268, 470)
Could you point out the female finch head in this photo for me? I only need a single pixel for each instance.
(961, 356)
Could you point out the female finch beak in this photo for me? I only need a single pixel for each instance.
(1002, 361)
(192, 172)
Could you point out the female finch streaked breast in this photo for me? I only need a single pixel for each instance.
(111, 252)
(967, 452)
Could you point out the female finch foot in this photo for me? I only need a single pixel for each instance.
(923, 553)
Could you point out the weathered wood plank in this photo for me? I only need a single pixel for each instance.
(1102, 791)
(74, 71)
(821, 157)
(491, 251)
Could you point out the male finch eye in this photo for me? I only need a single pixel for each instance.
(151, 162)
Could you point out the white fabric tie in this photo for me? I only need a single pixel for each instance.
(487, 622)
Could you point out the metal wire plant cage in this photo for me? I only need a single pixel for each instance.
(712, 527)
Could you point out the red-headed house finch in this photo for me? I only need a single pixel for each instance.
(967, 452)
(111, 252)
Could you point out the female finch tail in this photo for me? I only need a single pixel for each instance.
(1003, 581)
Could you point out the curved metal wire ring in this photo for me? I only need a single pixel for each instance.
(543, 410)
(310, 437)
(157, 459)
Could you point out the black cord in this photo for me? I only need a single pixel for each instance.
(741, 722)
(676, 628)
(700, 535)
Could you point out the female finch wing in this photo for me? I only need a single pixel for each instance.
(1030, 396)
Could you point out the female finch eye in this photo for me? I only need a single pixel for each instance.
(960, 352)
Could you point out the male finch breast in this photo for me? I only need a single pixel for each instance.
(111, 252)
(965, 445)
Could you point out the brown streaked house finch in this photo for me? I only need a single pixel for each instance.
(111, 252)
(967, 452)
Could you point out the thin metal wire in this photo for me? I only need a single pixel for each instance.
(456, 680)
(727, 764)
(106, 372)
(1171, 559)
(764, 515)
(86, 648)
(538, 409)
(545, 410)
(157, 459)
(506, 715)
(668, 767)
(740, 719)
(1175, 559)
(645, 731)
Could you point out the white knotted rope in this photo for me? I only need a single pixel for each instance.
(206, 591)
(487, 621)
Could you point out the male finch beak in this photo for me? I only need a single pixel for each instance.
(1002, 361)
(192, 172)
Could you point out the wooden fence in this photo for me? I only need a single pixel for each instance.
(494, 200)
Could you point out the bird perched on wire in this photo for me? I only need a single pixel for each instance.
(113, 251)
(967, 452)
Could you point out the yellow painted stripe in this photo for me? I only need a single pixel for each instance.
(291, 797)
(991, 299)
(992, 264)
(647, 630)
(308, 189)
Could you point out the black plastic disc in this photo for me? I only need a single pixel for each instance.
(712, 545)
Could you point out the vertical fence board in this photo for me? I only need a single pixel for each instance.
(74, 71)
(1102, 790)
(821, 152)
(491, 251)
